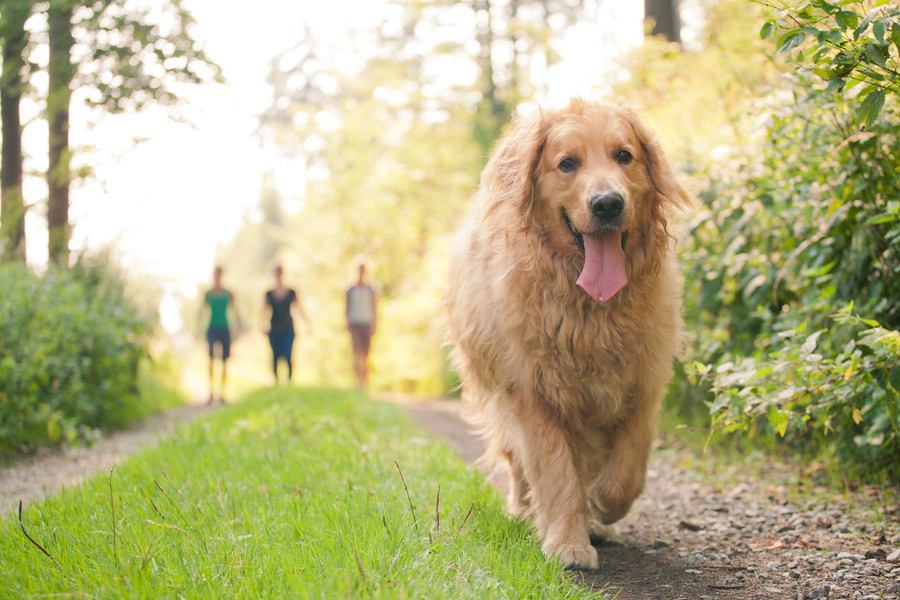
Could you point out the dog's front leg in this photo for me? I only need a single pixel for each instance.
(622, 476)
(559, 505)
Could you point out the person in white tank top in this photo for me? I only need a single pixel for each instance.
(361, 317)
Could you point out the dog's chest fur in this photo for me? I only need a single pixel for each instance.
(586, 356)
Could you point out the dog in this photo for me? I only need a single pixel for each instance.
(564, 309)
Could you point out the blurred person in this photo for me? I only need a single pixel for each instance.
(360, 312)
(219, 300)
(280, 300)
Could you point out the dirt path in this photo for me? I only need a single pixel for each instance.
(33, 477)
(697, 534)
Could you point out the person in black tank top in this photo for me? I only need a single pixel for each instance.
(279, 301)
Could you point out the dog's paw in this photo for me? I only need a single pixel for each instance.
(516, 508)
(575, 556)
(604, 534)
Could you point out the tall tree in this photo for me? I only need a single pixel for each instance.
(60, 72)
(14, 40)
(131, 57)
(665, 18)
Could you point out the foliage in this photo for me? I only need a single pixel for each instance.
(71, 350)
(794, 264)
(13, 40)
(845, 45)
(390, 170)
(120, 56)
(843, 395)
(715, 88)
(311, 506)
(132, 56)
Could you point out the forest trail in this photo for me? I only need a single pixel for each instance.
(31, 478)
(696, 532)
(692, 535)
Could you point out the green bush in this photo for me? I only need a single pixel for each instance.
(71, 346)
(796, 264)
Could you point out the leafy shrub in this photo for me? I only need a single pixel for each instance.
(71, 346)
(796, 263)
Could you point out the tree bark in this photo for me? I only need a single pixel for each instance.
(60, 73)
(666, 20)
(492, 110)
(12, 205)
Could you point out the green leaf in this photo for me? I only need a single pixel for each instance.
(778, 419)
(847, 19)
(790, 40)
(767, 29)
(876, 54)
(871, 107)
(878, 28)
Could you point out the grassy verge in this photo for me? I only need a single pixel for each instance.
(807, 478)
(156, 390)
(292, 493)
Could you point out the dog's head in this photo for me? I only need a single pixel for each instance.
(592, 181)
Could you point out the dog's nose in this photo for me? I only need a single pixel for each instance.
(606, 206)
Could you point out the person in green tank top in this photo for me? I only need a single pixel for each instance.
(218, 300)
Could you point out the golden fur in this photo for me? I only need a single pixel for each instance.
(566, 390)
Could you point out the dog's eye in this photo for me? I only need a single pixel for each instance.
(568, 164)
(623, 157)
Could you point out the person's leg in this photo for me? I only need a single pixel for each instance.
(289, 354)
(273, 344)
(357, 367)
(364, 365)
(226, 354)
(224, 375)
(211, 343)
(354, 344)
(211, 394)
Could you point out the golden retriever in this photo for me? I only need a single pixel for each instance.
(565, 313)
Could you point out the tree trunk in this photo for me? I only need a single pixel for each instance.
(666, 21)
(514, 83)
(12, 205)
(492, 112)
(60, 72)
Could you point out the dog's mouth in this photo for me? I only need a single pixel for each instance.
(603, 274)
(578, 237)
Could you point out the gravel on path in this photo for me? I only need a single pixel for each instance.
(34, 477)
(718, 533)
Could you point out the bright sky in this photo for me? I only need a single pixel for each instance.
(167, 202)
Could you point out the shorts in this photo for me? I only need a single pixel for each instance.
(221, 336)
(361, 337)
(282, 343)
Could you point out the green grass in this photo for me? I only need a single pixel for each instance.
(291, 493)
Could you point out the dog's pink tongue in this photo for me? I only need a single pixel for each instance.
(603, 274)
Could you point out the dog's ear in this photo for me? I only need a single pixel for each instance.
(511, 173)
(668, 189)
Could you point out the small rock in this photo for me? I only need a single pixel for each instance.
(894, 557)
(819, 593)
(689, 526)
(878, 553)
(657, 544)
(848, 556)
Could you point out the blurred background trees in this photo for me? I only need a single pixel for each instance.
(14, 41)
(784, 118)
(73, 341)
(782, 114)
